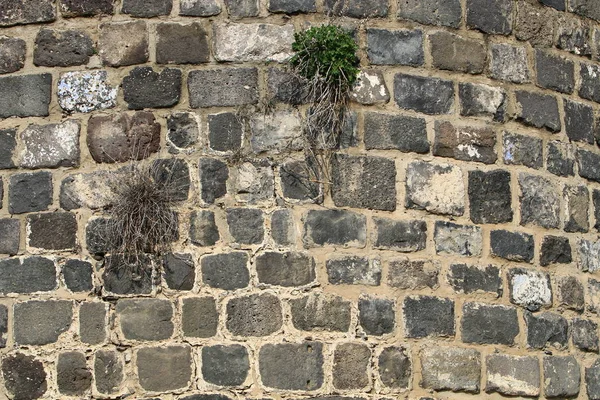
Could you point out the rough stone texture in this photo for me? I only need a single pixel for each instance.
(529, 288)
(592, 379)
(589, 165)
(122, 279)
(470, 279)
(522, 150)
(432, 12)
(199, 317)
(576, 205)
(403, 236)
(425, 95)
(428, 316)
(199, 8)
(223, 87)
(555, 73)
(183, 131)
(147, 8)
(225, 365)
(12, 54)
(589, 256)
(307, 357)
(50, 146)
(557, 4)
(181, 44)
(395, 367)
(86, 8)
(455, 369)
(92, 323)
(354, 271)
(145, 319)
(253, 42)
(27, 275)
(39, 322)
(462, 240)
(21, 12)
(319, 312)
(203, 229)
(590, 88)
(555, 250)
(213, 179)
(370, 88)
(376, 315)
(537, 110)
(570, 293)
(123, 43)
(90, 190)
(513, 375)
(489, 324)
(55, 48)
(465, 143)
(579, 122)
(298, 183)
(292, 6)
(286, 269)
(108, 371)
(357, 8)
(489, 197)
(455, 53)
(283, 227)
(144, 88)
(279, 132)
(255, 181)
(513, 246)
(402, 47)
(560, 159)
(42, 228)
(584, 333)
(8, 144)
(437, 188)
(86, 92)
(25, 95)
(540, 204)
(225, 132)
(482, 100)
(334, 227)
(561, 376)
(575, 37)
(24, 376)
(509, 63)
(242, 8)
(494, 17)
(29, 192)
(546, 329)
(10, 236)
(73, 376)
(350, 366)
(96, 236)
(228, 271)
(395, 132)
(254, 315)
(585, 8)
(535, 24)
(162, 369)
(246, 225)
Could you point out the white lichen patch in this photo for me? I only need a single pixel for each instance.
(48, 146)
(277, 132)
(438, 188)
(85, 91)
(370, 88)
(531, 289)
(253, 42)
(589, 256)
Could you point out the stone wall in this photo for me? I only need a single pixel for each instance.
(456, 255)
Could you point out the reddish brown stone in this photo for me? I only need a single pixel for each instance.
(465, 143)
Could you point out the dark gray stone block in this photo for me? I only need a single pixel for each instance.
(179, 271)
(72, 374)
(10, 236)
(538, 110)
(213, 179)
(469, 279)
(43, 229)
(493, 17)
(27, 275)
(357, 8)
(78, 275)
(225, 365)
(321, 313)
(423, 94)
(246, 225)
(182, 130)
(395, 132)
(199, 317)
(292, 6)
(145, 319)
(584, 333)
(395, 368)
(560, 158)
(428, 316)
(590, 85)
(203, 229)
(546, 329)
(589, 165)
(24, 376)
(223, 87)
(561, 376)
(25, 95)
(540, 204)
(555, 73)
(92, 322)
(307, 358)
(144, 88)
(147, 8)
(39, 322)
(455, 53)
(579, 122)
(286, 269)
(86, 8)
(555, 250)
(522, 150)
(334, 227)
(181, 44)
(354, 270)
(404, 236)
(376, 315)
(227, 271)
(54, 48)
(513, 246)
(432, 12)
(12, 54)
(164, 369)
(254, 315)
(21, 12)
(200, 8)
(489, 324)
(108, 371)
(399, 47)
(350, 363)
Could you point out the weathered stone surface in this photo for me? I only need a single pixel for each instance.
(513, 375)
(86, 8)
(535, 24)
(147, 8)
(27, 275)
(286, 269)
(522, 150)
(286, 86)
(213, 179)
(24, 376)
(8, 144)
(395, 132)
(73, 376)
(462, 240)
(596, 205)
(181, 44)
(540, 204)
(92, 323)
(546, 329)
(144, 88)
(555, 250)
(455, 369)
(574, 36)
(555, 73)
(162, 369)
(283, 228)
(38, 322)
(557, 4)
(255, 181)
(470, 279)
(560, 158)
(42, 229)
(589, 256)
(509, 63)
(25, 95)
(570, 293)
(21, 12)
(246, 225)
(225, 365)
(529, 288)
(183, 131)
(422, 94)
(29, 192)
(298, 183)
(585, 334)
(561, 376)
(432, 12)
(307, 357)
(585, 8)
(172, 176)
(482, 100)
(292, 6)
(281, 131)
(395, 368)
(490, 197)
(579, 122)
(376, 315)
(370, 88)
(350, 366)
(203, 229)
(513, 246)
(576, 205)
(354, 270)
(199, 317)
(108, 371)
(357, 8)
(242, 8)
(493, 17)
(437, 188)
(12, 54)
(465, 143)
(455, 53)
(228, 271)
(225, 132)
(123, 43)
(254, 315)
(399, 47)
(54, 48)
(10, 236)
(404, 236)
(590, 88)
(592, 380)
(92, 190)
(97, 236)
(223, 87)
(253, 42)
(126, 277)
(179, 271)
(428, 316)
(319, 312)
(85, 91)
(589, 165)
(122, 137)
(334, 227)
(538, 110)
(50, 146)
(199, 8)
(489, 324)
(145, 319)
